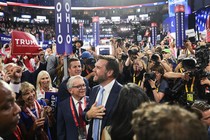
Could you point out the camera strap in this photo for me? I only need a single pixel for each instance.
(134, 80)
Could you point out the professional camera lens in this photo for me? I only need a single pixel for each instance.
(154, 57)
(133, 52)
(150, 76)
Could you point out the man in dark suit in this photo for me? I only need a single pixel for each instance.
(74, 68)
(106, 71)
(70, 125)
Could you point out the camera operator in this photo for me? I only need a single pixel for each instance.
(192, 83)
(136, 73)
(187, 50)
(132, 55)
(118, 47)
(156, 59)
(155, 84)
(128, 69)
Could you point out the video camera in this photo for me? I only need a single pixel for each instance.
(149, 76)
(124, 56)
(197, 65)
(133, 52)
(155, 58)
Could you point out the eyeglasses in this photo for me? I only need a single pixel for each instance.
(79, 86)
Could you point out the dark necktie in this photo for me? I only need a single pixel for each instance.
(81, 122)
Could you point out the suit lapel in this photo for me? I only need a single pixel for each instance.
(93, 95)
(111, 101)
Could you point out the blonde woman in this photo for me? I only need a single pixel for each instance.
(44, 84)
(135, 73)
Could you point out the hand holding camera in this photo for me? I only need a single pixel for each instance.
(132, 53)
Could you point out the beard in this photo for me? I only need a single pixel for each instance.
(100, 79)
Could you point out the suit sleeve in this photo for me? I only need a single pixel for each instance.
(87, 87)
(61, 133)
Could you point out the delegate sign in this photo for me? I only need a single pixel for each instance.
(24, 44)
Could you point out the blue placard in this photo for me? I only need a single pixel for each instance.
(81, 31)
(5, 39)
(173, 3)
(154, 33)
(63, 26)
(96, 31)
(53, 100)
(180, 25)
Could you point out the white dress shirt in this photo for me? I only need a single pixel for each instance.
(107, 90)
(106, 93)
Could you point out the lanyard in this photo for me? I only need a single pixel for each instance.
(73, 111)
(191, 87)
(134, 80)
(37, 110)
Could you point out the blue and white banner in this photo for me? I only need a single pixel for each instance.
(173, 3)
(52, 97)
(63, 26)
(154, 33)
(81, 31)
(5, 39)
(96, 31)
(180, 25)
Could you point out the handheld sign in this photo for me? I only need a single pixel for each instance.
(24, 44)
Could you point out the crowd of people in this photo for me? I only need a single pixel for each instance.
(121, 96)
(41, 32)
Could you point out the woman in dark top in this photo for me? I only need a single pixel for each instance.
(130, 97)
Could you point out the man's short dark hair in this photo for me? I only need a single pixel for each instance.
(154, 121)
(112, 64)
(72, 59)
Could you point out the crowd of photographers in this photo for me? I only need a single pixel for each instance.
(165, 73)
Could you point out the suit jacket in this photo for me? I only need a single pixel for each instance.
(63, 91)
(110, 106)
(66, 127)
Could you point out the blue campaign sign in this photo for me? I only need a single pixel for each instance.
(63, 26)
(5, 39)
(81, 31)
(52, 97)
(180, 25)
(154, 33)
(96, 31)
(173, 3)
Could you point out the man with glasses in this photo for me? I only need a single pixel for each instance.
(70, 125)
(74, 68)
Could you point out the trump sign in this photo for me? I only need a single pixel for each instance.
(24, 44)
